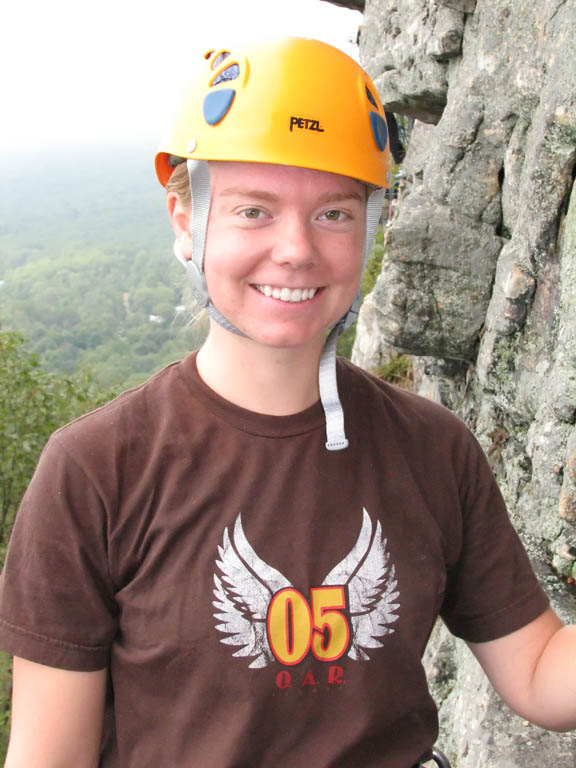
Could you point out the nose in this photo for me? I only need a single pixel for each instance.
(295, 244)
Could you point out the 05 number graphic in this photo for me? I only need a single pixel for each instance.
(296, 626)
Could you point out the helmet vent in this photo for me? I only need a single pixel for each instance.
(230, 73)
(222, 56)
(371, 98)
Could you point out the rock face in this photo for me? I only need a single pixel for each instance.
(479, 283)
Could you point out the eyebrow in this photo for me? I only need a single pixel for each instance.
(260, 194)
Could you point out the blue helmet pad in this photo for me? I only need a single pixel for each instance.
(379, 130)
(217, 104)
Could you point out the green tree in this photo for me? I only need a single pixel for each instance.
(369, 277)
(33, 404)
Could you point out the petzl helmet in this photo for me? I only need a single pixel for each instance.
(290, 102)
(294, 102)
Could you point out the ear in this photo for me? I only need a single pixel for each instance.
(180, 220)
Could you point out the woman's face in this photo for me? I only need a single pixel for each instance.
(284, 246)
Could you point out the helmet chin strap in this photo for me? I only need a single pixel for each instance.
(199, 176)
(336, 439)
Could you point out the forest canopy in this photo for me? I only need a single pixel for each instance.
(86, 266)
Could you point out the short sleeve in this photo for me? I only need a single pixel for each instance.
(492, 589)
(56, 596)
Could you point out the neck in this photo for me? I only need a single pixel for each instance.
(270, 380)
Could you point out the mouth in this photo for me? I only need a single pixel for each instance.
(292, 295)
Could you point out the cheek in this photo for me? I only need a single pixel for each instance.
(222, 262)
(350, 273)
(349, 268)
(351, 250)
(217, 271)
(217, 261)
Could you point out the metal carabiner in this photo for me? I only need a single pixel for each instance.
(439, 758)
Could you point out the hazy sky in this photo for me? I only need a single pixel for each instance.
(74, 72)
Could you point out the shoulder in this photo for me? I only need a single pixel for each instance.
(127, 422)
(365, 388)
(426, 433)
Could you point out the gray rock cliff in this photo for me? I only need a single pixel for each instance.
(479, 284)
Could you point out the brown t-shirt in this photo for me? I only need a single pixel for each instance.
(261, 601)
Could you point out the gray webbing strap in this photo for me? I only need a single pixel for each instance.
(336, 439)
(335, 435)
(221, 320)
(199, 177)
(373, 213)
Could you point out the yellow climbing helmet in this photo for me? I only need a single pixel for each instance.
(292, 102)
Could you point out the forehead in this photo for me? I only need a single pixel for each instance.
(227, 177)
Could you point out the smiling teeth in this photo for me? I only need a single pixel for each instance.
(287, 294)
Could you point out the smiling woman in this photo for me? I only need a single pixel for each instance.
(240, 562)
(223, 130)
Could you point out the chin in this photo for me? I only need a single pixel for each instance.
(287, 340)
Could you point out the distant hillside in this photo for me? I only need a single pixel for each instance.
(86, 265)
(91, 196)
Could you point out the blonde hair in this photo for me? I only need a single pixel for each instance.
(179, 184)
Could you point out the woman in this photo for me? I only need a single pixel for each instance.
(240, 562)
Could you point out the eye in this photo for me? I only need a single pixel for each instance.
(334, 215)
(252, 213)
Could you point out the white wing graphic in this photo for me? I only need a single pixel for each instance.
(371, 589)
(243, 596)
